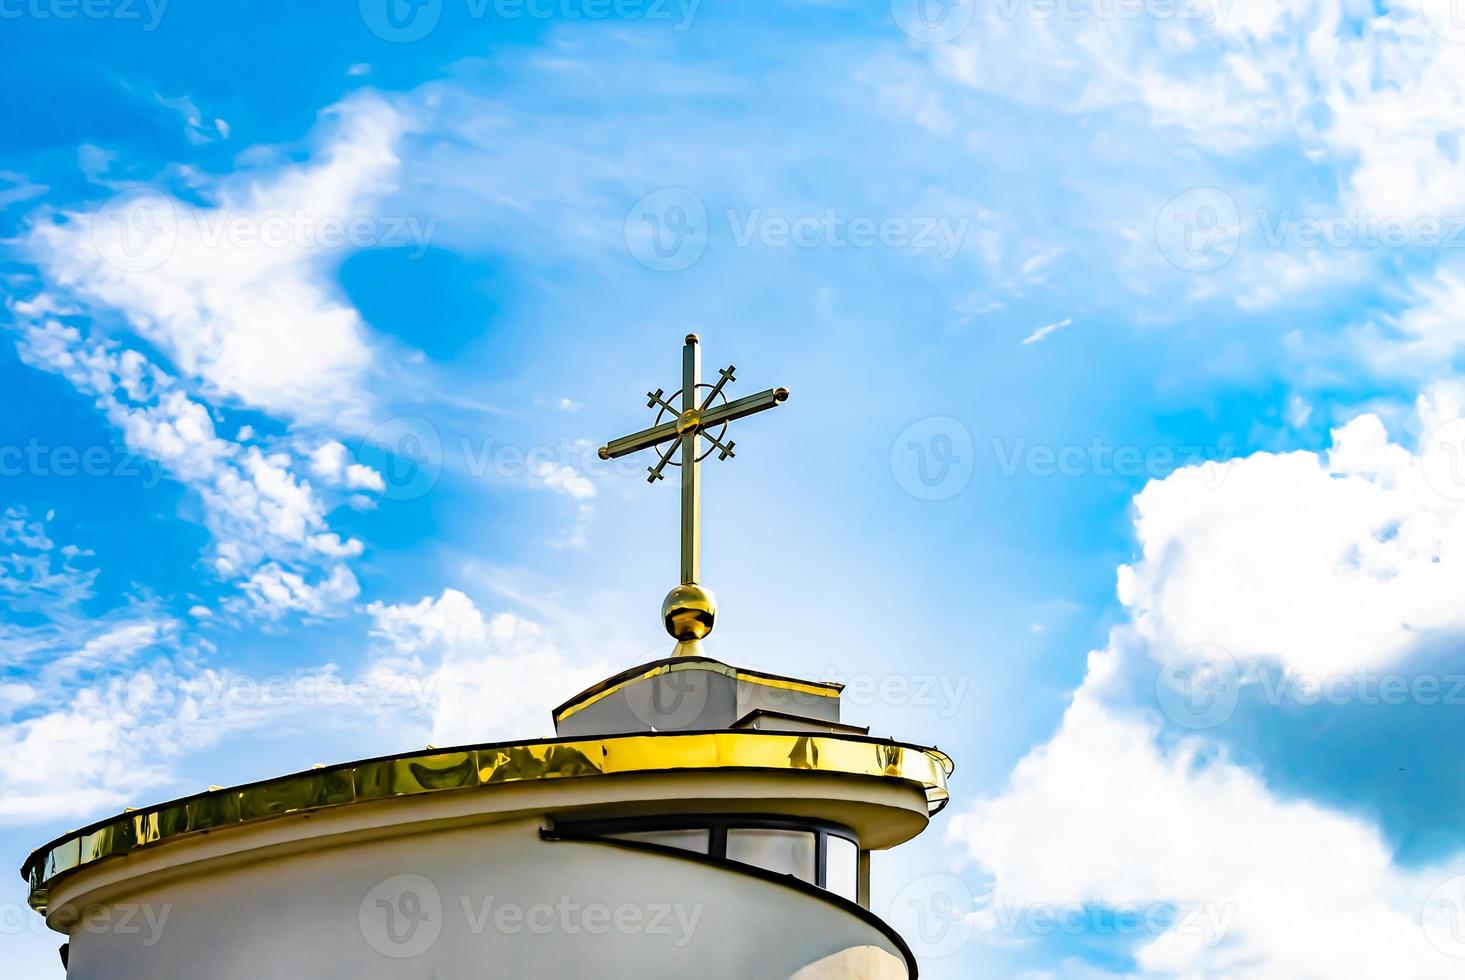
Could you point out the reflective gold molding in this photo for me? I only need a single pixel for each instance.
(481, 766)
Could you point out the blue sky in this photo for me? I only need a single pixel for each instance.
(1125, 369)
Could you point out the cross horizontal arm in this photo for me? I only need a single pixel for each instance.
(638, 441)
(742, 407)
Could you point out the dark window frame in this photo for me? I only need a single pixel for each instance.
(717, 826)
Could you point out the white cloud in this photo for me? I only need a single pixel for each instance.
(1327, 563)
(110, 698)
(198, 130)
(329, 462)
(492, 679)
(563, 478)
(1379, 89)
(1044, 331)
(278, 591)
(1102, 815)
(1324, 563)
(257, 508)
(34, 572)
(20, 189)
(1421, 341)
(250, 314)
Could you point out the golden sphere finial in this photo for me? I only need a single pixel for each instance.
(692, 338)
(689, 612)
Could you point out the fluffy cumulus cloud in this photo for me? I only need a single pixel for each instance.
(1320, 562)
(1261, 886)
(1331, 564)
(1378, 84)
(237, 293)
(96, 705)
(1301, 145)
(268, 523)
(492, 678)
(236, 306)
(330, 463)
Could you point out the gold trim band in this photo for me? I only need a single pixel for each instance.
(483, 766)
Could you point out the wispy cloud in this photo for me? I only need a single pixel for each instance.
(1047, 330)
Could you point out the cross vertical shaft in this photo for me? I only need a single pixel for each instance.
(690, 609)
(691, 487)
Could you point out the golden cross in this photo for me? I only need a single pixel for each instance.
(689, 609)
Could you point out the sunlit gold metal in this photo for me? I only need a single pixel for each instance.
(689, 612)
(480, 766)
(689, 616)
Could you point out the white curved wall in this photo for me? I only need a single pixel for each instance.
(479, 902)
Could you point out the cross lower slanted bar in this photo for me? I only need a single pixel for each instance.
(696, 418)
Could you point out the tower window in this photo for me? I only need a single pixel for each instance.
(687, 838)
(822, 854)
(842, 866)
(788, 852)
